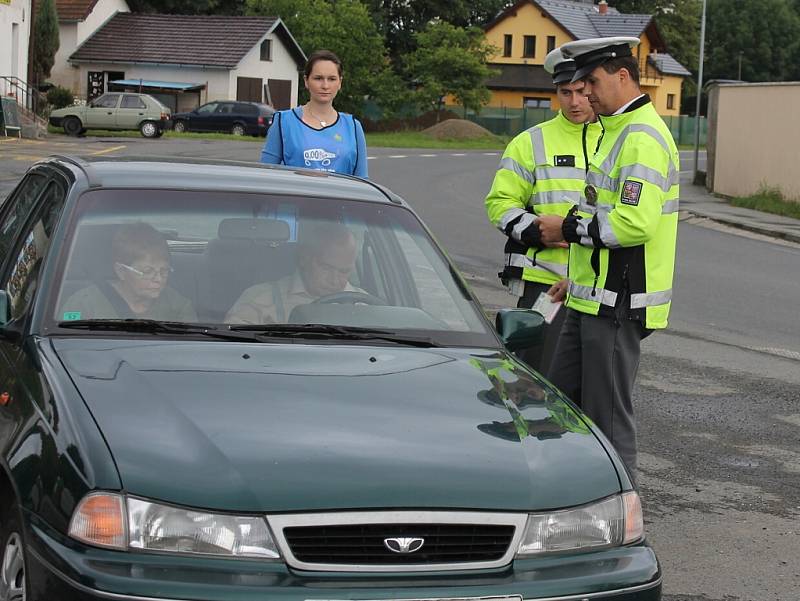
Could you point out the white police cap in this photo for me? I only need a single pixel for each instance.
(590, 54)
(561, 68)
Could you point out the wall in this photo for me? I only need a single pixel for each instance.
(63, 74)
(217, 79)
(671, 84)
(102, 12)
(282, 66)
(14, 61)
(529, 20)
(513, 98)
(754, 129)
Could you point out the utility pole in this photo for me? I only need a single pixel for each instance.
(741, 52)
(699, 93)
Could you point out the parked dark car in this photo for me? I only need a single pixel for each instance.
(379, 442)
(238, 118)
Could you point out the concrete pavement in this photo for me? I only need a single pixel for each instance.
(697, 201)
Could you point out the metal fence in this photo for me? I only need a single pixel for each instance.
(510, 122)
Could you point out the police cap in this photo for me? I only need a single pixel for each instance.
(590, 54)
(561, 68)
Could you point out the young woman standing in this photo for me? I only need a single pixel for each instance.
(316, 135)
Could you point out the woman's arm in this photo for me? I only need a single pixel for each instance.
(272, 152)
(361, 151)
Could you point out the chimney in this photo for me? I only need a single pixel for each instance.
(602, 7)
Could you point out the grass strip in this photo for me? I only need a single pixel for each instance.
(769, 200)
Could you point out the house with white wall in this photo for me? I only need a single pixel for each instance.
(15, 33)
(77, 20)
(187, 60)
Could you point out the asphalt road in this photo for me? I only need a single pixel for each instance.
(717, 394)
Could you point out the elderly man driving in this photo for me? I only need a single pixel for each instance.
(326, 263)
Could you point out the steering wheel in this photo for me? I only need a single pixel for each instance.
(350, 296)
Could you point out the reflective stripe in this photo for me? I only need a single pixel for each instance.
(518, 260)
(599, 180)
(649, 175)
(511, 165)
(604, 297)
(521, 225)
(553, 197)
(650, 299)
(559, 173)
(508, 217)
(583, 227)
(611, 158)
(671, 206)
(607, 234)
(537, 141)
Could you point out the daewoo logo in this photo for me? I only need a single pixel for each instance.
(403, 545)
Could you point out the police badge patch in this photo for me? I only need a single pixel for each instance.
(630, 192)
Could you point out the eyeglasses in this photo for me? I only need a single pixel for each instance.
(148, 273)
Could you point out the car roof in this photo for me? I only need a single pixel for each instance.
(220, 175)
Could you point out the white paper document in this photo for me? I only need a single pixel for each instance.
(546, 307)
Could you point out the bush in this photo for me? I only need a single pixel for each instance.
(59, 97)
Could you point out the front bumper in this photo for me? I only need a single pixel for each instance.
(60, 568)
(56, 121)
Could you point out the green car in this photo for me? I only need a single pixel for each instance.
(115, 110)
(238, 382)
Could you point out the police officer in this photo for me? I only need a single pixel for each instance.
(542, 173)
(622, 239)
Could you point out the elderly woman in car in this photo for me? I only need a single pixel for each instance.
(141, 266)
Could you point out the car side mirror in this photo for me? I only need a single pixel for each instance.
(519, 328)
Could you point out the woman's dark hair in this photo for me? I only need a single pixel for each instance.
(322, 55)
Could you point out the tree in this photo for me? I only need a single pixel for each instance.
(450, 60)
(45, 40)
(399, 20)
(765, 32)
(188, 7)
(345, 28)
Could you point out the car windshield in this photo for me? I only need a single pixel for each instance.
(266, 265)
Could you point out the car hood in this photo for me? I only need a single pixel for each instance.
(286, 427)
(68, 110)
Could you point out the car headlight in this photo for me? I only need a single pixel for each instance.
(611, 522)
(112, 520)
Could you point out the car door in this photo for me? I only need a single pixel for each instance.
(131, 111)
(200, 119)
(222, 119)
(102, 112)
(20, 379)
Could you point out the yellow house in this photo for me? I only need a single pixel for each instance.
(525, 32)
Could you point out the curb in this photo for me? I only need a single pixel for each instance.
(765, 231)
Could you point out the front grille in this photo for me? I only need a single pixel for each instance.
(363, 544)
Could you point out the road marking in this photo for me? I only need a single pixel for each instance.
(105, 150)
(491, 154)
(27, 157)
(428, 155)
(458, 154)
(398, 156)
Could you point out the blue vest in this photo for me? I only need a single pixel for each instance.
(339, 147)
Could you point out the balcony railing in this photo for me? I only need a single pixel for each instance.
(648, 74)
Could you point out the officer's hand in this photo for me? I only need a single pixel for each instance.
(550, 229)
(557, 245)
(559, 290)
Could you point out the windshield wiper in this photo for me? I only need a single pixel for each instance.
(152, 326)
(324, 331)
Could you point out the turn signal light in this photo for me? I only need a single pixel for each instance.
(634, 524)
(100, 520)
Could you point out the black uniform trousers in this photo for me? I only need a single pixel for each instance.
(595, 365)
(540, 356)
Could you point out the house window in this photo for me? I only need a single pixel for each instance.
(535, 102)
(551, 43)
(266, 50)
(507, 42)
(529, 46)
(670, 101)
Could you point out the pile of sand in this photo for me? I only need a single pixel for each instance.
(457, 129)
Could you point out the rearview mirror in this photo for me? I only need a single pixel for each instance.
(519, 328)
